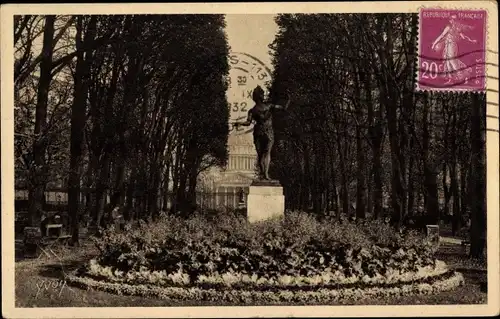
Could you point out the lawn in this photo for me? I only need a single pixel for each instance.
(39, 284)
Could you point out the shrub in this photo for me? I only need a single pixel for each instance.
(296, 245)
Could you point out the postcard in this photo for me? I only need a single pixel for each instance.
(302, 159)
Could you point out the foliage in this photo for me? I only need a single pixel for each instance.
(297, 245)
(358, 139)
(149, 91)
(155, 117)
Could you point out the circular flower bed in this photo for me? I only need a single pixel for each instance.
(296, 258)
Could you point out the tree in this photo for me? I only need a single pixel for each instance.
(37, 181)
(478, 177)
(352, 79)
(78, 117)
(133, 108)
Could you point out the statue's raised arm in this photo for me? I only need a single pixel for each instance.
(283, 107)
(248, 121)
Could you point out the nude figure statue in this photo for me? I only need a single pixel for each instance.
(263, 134)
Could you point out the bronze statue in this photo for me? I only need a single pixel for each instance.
(263, 134)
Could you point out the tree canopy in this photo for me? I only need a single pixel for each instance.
(359, 139)
(121, 105)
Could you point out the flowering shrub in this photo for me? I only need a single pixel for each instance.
(297, 246)
(291, 259)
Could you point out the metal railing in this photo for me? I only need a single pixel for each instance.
(204, 199)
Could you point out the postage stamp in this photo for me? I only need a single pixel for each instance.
(452, 50)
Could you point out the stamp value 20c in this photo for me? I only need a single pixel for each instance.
(452, 50)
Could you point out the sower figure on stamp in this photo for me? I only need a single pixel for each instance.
(448, 41)
(263, 134)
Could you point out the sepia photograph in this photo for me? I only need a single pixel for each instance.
(215, 156)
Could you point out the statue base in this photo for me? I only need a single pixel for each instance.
(265, 200)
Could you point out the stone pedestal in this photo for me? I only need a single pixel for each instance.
(265, 200)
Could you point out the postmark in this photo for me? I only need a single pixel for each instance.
(247, 71)
(452, 50)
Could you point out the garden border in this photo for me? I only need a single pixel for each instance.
(442, 283)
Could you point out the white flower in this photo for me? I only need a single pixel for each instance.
(285, 280)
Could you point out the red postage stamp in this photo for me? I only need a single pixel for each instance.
(452, 50)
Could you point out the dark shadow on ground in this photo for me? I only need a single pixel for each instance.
(57, 270)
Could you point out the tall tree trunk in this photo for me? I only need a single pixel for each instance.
(432, 203)
(430, 174)
(360, 180)
(389, 99)
(343, 180)
(396, 180)
(446, 190)
(408, 106)
(90, 185)
(166, 182)
(128, 209)
(181, 191)
(413, 191)
(37, 177)
(153, 187)
(377, 173)
(106, 145)
(411, 186)
(456, 224)
(118, 194)
(176, 178)
(464, 192)
(333, 181)
(315, 183)
(101, 193)
(305, 194)
(478, 178)
(78, 119)
(192, 181)
(403, 141)
(457, 216)
(336, 201)
(129, 97)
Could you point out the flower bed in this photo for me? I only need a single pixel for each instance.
(296, 245)
(297, 254)
(240, 281)
(321, 294)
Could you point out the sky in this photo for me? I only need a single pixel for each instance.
(252, 34)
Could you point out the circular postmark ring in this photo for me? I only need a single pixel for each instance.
(246, 73)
